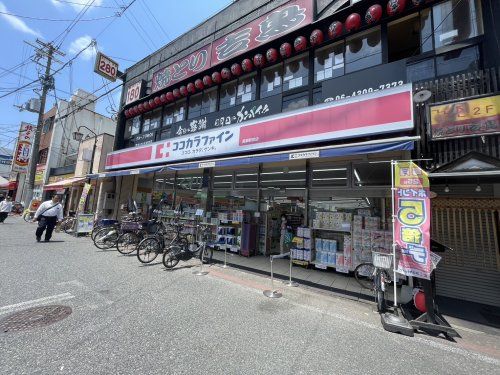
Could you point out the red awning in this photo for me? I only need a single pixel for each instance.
(63, 184)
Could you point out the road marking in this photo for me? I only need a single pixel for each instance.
(35, 302)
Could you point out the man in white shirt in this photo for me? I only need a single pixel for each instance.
(5, 208)
(48, 215)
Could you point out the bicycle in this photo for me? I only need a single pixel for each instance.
(28, 215)
(106, 238)
(68, 223)
(374, 276)
(128, 241)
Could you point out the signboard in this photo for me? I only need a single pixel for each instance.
(105, 67)
(303, 155)
(53, 179)
(413, 220)
(144, 138)
(23, 147)
(184, 68)
(229, 116)
(40, 171)
(134, 92)
(367, 81)
(264, 29)
(466, 118)
(84, 223)
(5, 159)
(83, 197)
(390, 111)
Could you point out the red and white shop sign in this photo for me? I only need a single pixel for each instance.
(184, 68)
(377, 113)
(23, 147)
(272, 25)
(134, 92)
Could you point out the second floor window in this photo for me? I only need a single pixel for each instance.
(296, 72)
(228, 95)
(363, 50)
(151, 121)
(194, 106)
(135, 127)
(246, 88)
(271, 81)
(209, 101)
(329, 62)
(174, 113)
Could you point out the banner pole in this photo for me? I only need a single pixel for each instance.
(394, 265)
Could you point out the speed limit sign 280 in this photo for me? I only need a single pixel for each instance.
(106, 67)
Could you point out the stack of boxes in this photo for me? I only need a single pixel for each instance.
(326, 251)
(340, 221)
(367, 237)
(302, 245)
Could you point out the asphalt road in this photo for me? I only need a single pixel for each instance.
(134, 319)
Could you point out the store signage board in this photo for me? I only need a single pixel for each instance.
(304, 155)
(367, 81)
(106, 67)
(23, 147)
(184, 68)
(144, 138)
(387, 112)
(465, 118)
(135, 92)
(413, 219)
(208, 164)
(264, 29)
(230, 116)
(84, 223)
(83, 197)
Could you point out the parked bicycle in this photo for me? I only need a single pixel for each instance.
(68, 223)
(106, 238)
(134, 233)
(374, 276)
(28, 215)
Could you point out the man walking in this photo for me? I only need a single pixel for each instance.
(5, 208)
(48, 215)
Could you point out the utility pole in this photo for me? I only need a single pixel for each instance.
(47, 50)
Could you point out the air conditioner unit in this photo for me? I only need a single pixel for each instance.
(109, 201)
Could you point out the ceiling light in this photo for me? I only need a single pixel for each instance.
(446, 189)
(478, 188)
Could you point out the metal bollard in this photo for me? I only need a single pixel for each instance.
(272, 293)
(290, 282)
(200, 272)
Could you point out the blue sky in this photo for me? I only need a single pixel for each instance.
(120, 40)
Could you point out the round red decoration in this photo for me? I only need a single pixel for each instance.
(286, 50)
(300, 43)
(225, 73)
(170, 96)
(373, 14)
(183, 90)
(152, 103)
(163, 99)
(353, 22)
(236, 69)
(135, 110)
(247, 65)
(216, 77)
(271, 55)
(126, 113)
(191, 88)
(130, 112)
(140, 107)
(419, 301)
(207, 81)
(176, 93)
(259, 60)
(395, 7)
(335, 29)
(157, 101)
(199, 84)
(146, 106)
(316, 37)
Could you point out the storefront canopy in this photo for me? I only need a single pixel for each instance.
(125, 172)
(63, 184)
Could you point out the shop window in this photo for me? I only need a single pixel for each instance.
(271, 81)
(328, 174)
(426, 30)
(329, 62)
(295, 101)
(135, 127)
(372, 174)
(152, 121)
(317, 96)
(163, 189)
(223, 179)
(403, 37)
(165, 133)
(421, 71)
(277, 178)
(246, 178)
(188, 192)
(456, 21)
(42, 156)
(209, 101)
(458, 61)
(247, 87)
(174, 113)
(228, 95)
(363, 50)
(195, 106)
(296, 73)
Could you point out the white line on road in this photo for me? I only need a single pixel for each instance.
(35, 302)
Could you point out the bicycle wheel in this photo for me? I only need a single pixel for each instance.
(380, 301)
(106, 238)
(95, 229)
(127, 242)
(27, 217)
(364, 274)
(148, 249)
(170, 259)
(68, 226)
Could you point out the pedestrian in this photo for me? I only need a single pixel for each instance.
(5, 208)
(48, 215)
(2, 198)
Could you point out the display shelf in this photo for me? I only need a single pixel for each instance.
(301, 262)
(333, 230)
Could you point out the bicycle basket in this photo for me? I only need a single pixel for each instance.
(382, 260)
(131, 225)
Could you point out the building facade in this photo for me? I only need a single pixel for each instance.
(294, 110)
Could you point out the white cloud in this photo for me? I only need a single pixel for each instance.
(17, 23)
(78, 44)
(77, 5)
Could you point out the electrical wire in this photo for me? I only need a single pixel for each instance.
(135, 28)
(57, 19)
(81, 4)
(73, 23)
(145, 6)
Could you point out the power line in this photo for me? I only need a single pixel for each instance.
(93, 6)
(150, 46)
(145, 5)
(73, 23)
(58, 19)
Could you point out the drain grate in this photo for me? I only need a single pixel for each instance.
(34, 317)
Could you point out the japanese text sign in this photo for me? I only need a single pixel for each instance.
(413, 219)
(184, 68)
(466, 118)
(23, 147)
(270, 26)
(83, 197)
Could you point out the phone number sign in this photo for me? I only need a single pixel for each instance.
(413, 219)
